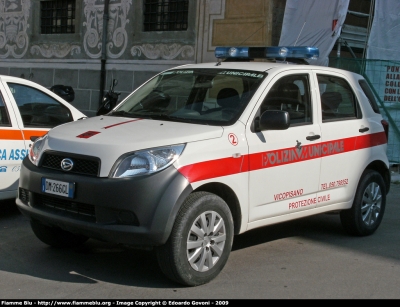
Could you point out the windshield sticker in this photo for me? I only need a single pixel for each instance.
(179, 72)
(241, 74)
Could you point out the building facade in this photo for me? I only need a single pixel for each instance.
(61, 41)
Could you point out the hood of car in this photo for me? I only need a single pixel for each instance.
(109, 137)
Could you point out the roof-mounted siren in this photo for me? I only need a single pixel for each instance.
(289, 54)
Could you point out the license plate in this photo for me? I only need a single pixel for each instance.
(60, 188)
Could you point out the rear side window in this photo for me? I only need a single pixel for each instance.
(338, 101)
(37, 108)
(371, 98)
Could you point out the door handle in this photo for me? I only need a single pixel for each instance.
(313, 137)
(364, 129)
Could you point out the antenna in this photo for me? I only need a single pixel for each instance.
(300, 33)
(253, 33)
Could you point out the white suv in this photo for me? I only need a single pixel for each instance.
(203, 152)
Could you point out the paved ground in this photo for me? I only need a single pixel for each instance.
(307, 258)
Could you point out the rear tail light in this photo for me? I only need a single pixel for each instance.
(385, 125)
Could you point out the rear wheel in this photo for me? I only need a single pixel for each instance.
(56, 237)
(366, 214)
(200, 242)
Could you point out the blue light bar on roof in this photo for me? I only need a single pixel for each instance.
(232, 52)
(297, 52)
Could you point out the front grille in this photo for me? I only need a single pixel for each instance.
(65, 206)
(85, 165)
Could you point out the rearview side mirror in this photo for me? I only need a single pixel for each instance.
(273, 120)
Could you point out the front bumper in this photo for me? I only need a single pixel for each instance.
(134, 211)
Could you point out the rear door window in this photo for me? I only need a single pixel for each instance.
(338, 101)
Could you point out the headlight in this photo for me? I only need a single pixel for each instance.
(149, 161)
(36, 149)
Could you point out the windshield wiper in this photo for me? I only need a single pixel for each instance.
(162, 116)
(122, 113)
(172, 118)
(152, 114)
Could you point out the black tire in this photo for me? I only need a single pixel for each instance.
(366, 214)
(56, 237)
(173, 257)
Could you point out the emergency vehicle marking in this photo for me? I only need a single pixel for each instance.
(87, 134)
(178, 72)
(11, 135)
(14, 154)
(36, 133)
(233, 139)
(20, 135)
(309, 201)
(241, 73)
(129, 121)
(214, 168)
(315, 151)
(261, 160)
(288, 194)
(334, 184)
(301, 153)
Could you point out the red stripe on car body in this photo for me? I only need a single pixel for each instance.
(261, 160)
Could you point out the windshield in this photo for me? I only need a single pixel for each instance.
(201, 96)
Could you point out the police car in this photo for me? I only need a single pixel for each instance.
(27, 111)
(203, 152)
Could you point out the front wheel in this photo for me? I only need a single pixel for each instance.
(200, 242)
(366, 214)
